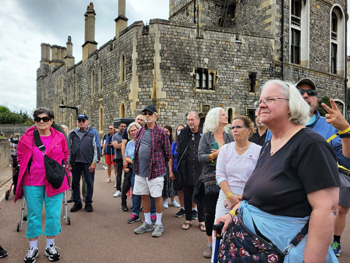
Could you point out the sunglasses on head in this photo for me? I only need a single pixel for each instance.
(81, 120)
(44, 119)
(148, 113)
(237, 126)
(309, 92)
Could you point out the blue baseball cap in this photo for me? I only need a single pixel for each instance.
(82, 117)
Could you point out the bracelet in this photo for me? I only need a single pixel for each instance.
(230, 193)
(346, 135)
(212, 157)
(344, 131)
(233, 213)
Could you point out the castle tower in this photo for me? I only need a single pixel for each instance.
(45, 59)
(69, 59)
(90, 44)
(121, 22)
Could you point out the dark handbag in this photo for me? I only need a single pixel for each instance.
(240, 244)
(210, 185)
(55, 172)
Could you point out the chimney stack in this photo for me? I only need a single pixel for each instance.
(90, 44)
(69, 59)
(121, 22)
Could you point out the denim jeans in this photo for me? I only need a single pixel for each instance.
(136, 200)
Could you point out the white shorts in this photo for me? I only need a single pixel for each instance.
(144, 186)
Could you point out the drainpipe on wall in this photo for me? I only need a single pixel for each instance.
(282, 39)
(194, 11)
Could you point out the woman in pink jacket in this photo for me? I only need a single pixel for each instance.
(37, 190)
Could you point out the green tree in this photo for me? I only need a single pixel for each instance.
(8, 117)
(326, 101)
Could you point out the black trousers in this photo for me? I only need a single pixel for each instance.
(210, 207)
(126, 185)
(119, 165)
(77, 170)
(188, 192)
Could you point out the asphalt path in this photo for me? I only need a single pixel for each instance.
(105, 236)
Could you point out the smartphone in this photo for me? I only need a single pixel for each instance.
(214, 146)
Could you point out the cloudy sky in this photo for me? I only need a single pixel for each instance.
(25, 24)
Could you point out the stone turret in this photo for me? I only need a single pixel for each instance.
(90, 44)
(121, 22)
(45, 59)
(69, 59)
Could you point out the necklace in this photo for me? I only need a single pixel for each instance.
(242, 149)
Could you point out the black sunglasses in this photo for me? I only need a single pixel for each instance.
(309, 92)
(148, 113)
(81, 120)
(44, 119)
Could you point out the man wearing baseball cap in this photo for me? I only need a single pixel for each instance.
(152, 154)
(83, 156)
(335, 129)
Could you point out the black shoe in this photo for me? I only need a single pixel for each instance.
(70, 200)
(124, 207)
(88, 208)
(3, 252)
(180, 213)
(52, 253)
(31, 255)
(133, 218)
(76, 207)
(194, 215)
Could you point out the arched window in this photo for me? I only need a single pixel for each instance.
(122, 110)
(93, 82)
(71, 123)
(100, 83)
(229, 113)
(299, 32)
(122, 68)
(100, 120)
(337, 41)
(76, 89)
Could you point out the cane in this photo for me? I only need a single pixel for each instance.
(218, 229)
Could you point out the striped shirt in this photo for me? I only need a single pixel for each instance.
(236, 169)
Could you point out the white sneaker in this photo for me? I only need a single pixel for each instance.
(117, 194)
(165, 204)
(174, 203)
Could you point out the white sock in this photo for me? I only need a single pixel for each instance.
(33, 244)
(194, 209)
(49, 242)
(159, 218)
(148, 218)
(182, 207)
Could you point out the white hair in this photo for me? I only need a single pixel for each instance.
(299, 109)
(138, 126)
(211, 122)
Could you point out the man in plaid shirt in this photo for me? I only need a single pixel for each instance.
(152, 154)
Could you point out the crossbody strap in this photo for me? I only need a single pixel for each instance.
(297, 239)
(38, 142)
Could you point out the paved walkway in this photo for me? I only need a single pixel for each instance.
(104, 235)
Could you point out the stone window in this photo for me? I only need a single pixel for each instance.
(253, 83)
(251, 114)
(205, 79)
(100, 83)
(122, 110)
(230, 115)
(337, 41)
(100, 119)
(122, 69)
(60, 83)
(71, 123)
(76, 90)
(93, 82)
(299, 32)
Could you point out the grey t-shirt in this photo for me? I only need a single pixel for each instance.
(118, 153)
(144, 153)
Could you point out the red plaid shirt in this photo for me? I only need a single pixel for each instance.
(160, 151)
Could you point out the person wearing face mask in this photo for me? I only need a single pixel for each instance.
(85, 153)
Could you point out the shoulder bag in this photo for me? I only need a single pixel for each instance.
(55, 172)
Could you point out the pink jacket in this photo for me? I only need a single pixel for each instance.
(24, 154)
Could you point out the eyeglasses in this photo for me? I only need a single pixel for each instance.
(309, 92)
(81, 120)
(270, 100)
(110, 128)
(237, 126)
(44, 119)
(148, 113)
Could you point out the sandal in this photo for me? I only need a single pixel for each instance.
(186, 226)
(202, 227)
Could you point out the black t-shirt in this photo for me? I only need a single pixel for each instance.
(280, 183)
(256, 138)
